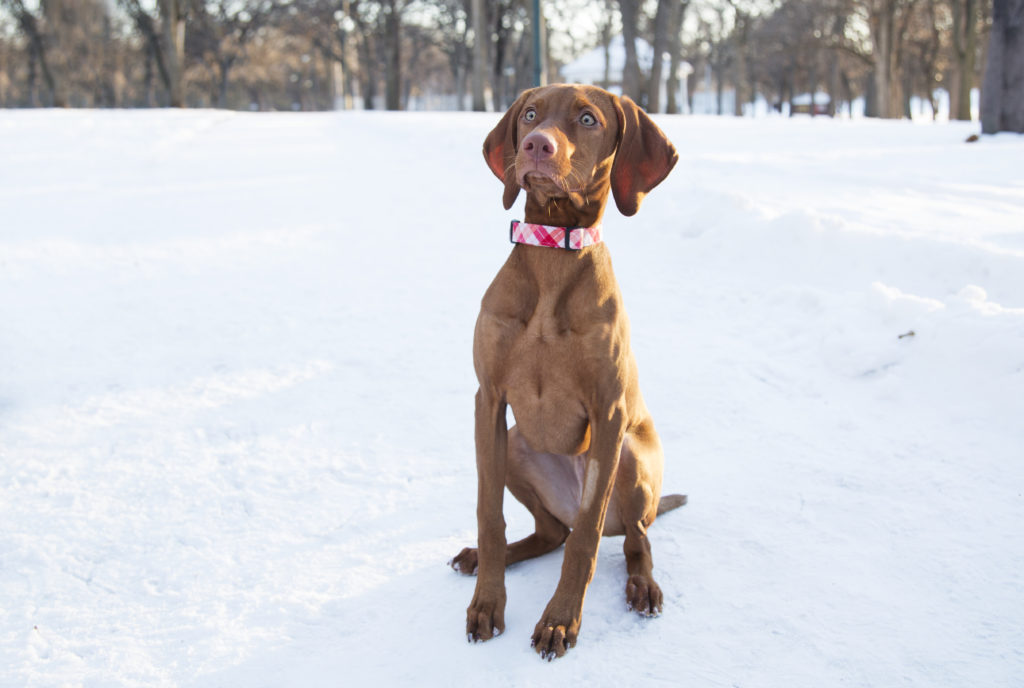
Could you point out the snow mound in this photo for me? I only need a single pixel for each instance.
(236, 405)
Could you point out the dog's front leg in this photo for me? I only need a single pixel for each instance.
(559, 626)
(485, 617)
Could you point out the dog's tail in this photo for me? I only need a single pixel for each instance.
(670, 502)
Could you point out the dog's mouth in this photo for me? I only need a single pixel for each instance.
(536, 180)
(545, 186)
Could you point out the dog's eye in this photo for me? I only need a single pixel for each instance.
(587, 119)
(530, 115)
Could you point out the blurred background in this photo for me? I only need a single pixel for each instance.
(876, 58)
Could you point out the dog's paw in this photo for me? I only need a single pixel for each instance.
(465, 561)
(643, 595)
(555, 634)
(552, 641)
(485, 616)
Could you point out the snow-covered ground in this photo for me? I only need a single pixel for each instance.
(236, 405)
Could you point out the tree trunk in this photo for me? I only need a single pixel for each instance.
(813, 90)
(4, 80)
(965, 48)
(460, 74)
(545, 52)
(631, 74)
(838, 28)
(172, 26)
(675, 47)
(366, 49)
(1002, 93)
(370, 87)
(691, 86)
(155, 50)
(881, 23)
(741, 76)
(33, 82)
(480, 41)
(661, 27)
(906, 91)
(222, 86)
(791, 82)
(606, 44)
(38, 57)
(607, 76)
(833, 84)
(719, 87)
(393, 59)
(346, 73)
(499, 98)
(148, 80)
(111, 96)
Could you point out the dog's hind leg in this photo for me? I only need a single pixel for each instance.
(525, 468)
(549, 532)
(638, 485)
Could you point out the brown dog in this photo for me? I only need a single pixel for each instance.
(552, 340)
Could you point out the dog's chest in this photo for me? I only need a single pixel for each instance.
(547, 364)
(545, 395)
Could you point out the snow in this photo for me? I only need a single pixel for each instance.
(236, 405)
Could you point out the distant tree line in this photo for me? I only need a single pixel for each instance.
(255, 54)
(397, 54)
(884, 51)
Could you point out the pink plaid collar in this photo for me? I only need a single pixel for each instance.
(572, 238)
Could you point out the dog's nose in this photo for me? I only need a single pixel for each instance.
(539, 145)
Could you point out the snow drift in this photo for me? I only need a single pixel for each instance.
(236, 404)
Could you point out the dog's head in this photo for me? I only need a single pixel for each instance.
(576, 142)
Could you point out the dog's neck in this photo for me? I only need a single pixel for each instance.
(555, 270)
(576, 210)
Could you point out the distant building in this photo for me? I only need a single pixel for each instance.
(803, 105)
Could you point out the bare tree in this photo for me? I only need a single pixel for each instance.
(662, 18)
(675, 47)
(481, 41)
(630, 11)
(965, 49)
(605, 41)
(453, 30)
(39, 44)
(304, 53)
(222, 31)
(379, 44)
(6, 89)
(165, 35)
(503, 35)
(172, 23)
(714, 27)
(741, 54)
(804, 45)
(888, 21)
(924, 55)
(1002, 93)
(392, 10)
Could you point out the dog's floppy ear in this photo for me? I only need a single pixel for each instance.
(644, 158)
(500, 149)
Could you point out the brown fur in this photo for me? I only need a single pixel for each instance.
(552, 340)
